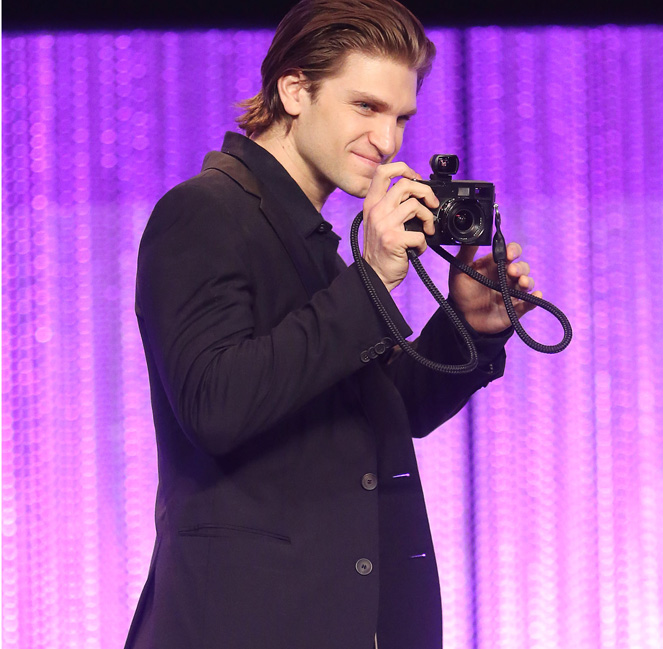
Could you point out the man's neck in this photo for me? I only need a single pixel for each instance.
(275, 140)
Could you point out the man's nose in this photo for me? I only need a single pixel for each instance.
(383, 136)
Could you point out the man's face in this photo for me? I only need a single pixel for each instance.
(355, 123)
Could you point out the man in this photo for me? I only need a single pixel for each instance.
(289, 510)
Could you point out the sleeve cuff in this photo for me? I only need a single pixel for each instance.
(387, 301)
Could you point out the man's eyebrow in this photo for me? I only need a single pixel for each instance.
(378, 103)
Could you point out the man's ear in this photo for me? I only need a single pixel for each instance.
(293, 92)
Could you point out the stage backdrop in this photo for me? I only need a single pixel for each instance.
(544, 493)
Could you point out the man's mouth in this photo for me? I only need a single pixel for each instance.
(369, 160)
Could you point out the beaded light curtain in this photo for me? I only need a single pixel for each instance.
(544, 493)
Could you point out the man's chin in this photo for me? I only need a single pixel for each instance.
(358, 189)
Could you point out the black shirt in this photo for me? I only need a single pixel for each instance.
(306, 220)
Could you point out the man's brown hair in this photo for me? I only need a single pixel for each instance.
(315, 37)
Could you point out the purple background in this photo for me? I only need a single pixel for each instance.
(544, 493)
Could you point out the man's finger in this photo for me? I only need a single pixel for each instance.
(466, 254)
(406, 188)
(518, 269)
(384, 174)
(415, 241)
(412, 208)
(521, 307)
(525, 283)
(513, 251)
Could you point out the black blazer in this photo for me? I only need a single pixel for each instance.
(289, 509)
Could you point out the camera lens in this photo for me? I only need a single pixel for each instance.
(465, 220)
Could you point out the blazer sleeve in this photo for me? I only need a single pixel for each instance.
(195, 302)
(431, 397)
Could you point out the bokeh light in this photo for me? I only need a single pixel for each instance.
(544, 494)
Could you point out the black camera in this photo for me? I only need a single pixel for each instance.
(466, 207)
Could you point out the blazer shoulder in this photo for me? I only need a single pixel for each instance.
(209, 197)
(210, 187)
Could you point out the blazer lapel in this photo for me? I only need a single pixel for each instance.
(292, 241)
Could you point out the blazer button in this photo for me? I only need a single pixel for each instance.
(369, 481)
(365, 358)
(372, 353)
(364, 567)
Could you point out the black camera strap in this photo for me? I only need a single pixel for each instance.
(499, 255)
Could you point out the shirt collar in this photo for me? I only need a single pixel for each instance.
(269, 171)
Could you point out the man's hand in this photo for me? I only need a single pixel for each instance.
(385, 211)
(482, 307)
